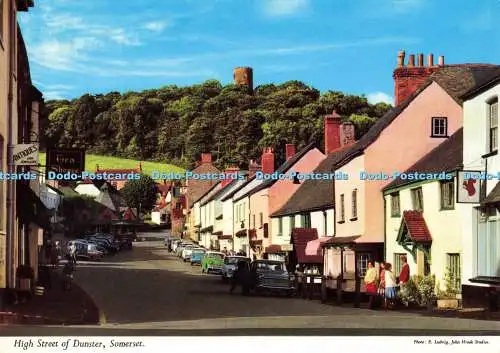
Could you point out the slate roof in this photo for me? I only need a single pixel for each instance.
(300, 238)
(488, 80)
(224, 189)
(313, 194)
(494, 196)
(109, 197)
(417, 228)
(456, 80)
(341, 241)
(446, 157)
(285, 167)
(232, 193)
(199, 188)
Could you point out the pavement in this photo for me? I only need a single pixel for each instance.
(148, 291)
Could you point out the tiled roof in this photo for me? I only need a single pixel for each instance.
(456, 80)
(238, 188)
(341, 241)
(300, 238)
(282, 169)
(494, 196)
(488, 79)
(416, 226)
(198, 188)
(446, 157)
(313, 194)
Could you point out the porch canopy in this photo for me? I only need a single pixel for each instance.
(414, 234)
(493, 197)
(300, 238)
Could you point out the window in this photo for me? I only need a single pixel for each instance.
(417, 199)
(280, 226)
(354, 205)
(342, 209)
(488, 248)
(325, 224)
(261, 219)
(253, 221)
(398, 264)
(493, 124)
(292, 223)
(363, 259)
(439, 127)
(395, 209)
(305, 220)
(447, 195)
(453, 265)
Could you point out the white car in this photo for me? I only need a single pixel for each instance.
(230, 265)
(187, 251)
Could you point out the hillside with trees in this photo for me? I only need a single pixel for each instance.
(176, 124)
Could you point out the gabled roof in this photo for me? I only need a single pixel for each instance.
(208, 193)
(446, 157)
(238, 188)
(313, 194)
(494, 196)
(224, 189)
(285, 167)
(456, 80)
(488, 80)
(200, 188)
(413, 228)
(108, 198)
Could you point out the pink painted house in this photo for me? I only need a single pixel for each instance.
(271, 194)
(430, 111)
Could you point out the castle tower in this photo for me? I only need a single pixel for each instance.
(243, 76)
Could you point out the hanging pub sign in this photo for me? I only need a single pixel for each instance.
(65, 160)
(26, 154)
(469, 186)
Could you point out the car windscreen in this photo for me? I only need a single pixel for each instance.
(270, 266)
(198, 252)
(215, 256)
(233, 260)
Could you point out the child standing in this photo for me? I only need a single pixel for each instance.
(390, 286)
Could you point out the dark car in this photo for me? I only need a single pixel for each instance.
(271, 276)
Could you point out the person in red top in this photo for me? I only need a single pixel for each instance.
(404, 275)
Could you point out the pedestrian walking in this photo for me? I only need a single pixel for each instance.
(68, 270)
(370, 280)
(72, 253)
(381, 283)
(241, 277)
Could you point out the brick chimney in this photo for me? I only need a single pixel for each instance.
(231, 174)
(267, 160)
(253, 167)
(206, 158)
(409, 78)
(289, 150)
(332, 132)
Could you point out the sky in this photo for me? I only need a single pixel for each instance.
(97, 46)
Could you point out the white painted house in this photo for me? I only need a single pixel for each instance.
(207, 213)
(228, 215)
(421, 217)
(480, 215)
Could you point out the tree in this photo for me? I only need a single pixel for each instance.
(140, 193)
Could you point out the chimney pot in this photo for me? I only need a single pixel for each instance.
(420, 60)
(411, 60)
(430, 60)
(332, 132)
(267, 160)
(289, 150)
(441, 60)
(401, 58)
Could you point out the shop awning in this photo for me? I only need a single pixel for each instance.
(341, 241)
(300, 238)
(225, 237)
(313, 247)
(30, 209)
(493, 197)
(273, 249)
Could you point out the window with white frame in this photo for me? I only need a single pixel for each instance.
(354, 204)
(253, 216)
(280, 226)
(342, 209)
(439, 127)
(363, 259)
(453, 265)
(493, 124)
(447, 195)
(488, 244)
(261, 219)
(395, 208)
(398, 264)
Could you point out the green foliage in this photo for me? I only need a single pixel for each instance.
(420, 290)
(140, 194)
(71, 210)
(451, 283)
(175, 124)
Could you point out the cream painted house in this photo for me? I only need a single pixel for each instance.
(422, 220)
(207, 217)
(479, 212)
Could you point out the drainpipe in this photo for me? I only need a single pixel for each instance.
(334, 210)
(10, 139)
(385, 226)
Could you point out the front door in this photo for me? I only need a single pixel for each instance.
(423, 264)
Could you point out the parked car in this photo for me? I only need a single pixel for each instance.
(197, 255)
(186, 252)
(271, 276)
(86, 250)
(180, 248)
(212, 262)
(230, 265)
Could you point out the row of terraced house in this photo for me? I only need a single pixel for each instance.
(444, 123)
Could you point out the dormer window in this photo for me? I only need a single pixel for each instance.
(439, 127)
(493, 124)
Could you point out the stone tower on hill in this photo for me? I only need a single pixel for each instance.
(243, 76)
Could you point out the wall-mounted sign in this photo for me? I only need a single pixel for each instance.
(469, 186)
(62, 160)
(26, 154)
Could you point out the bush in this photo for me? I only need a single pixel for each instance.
(451, 290)
(420, 290)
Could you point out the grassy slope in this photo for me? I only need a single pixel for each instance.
(106, 162)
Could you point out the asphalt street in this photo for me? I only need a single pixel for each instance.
(149, 292)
